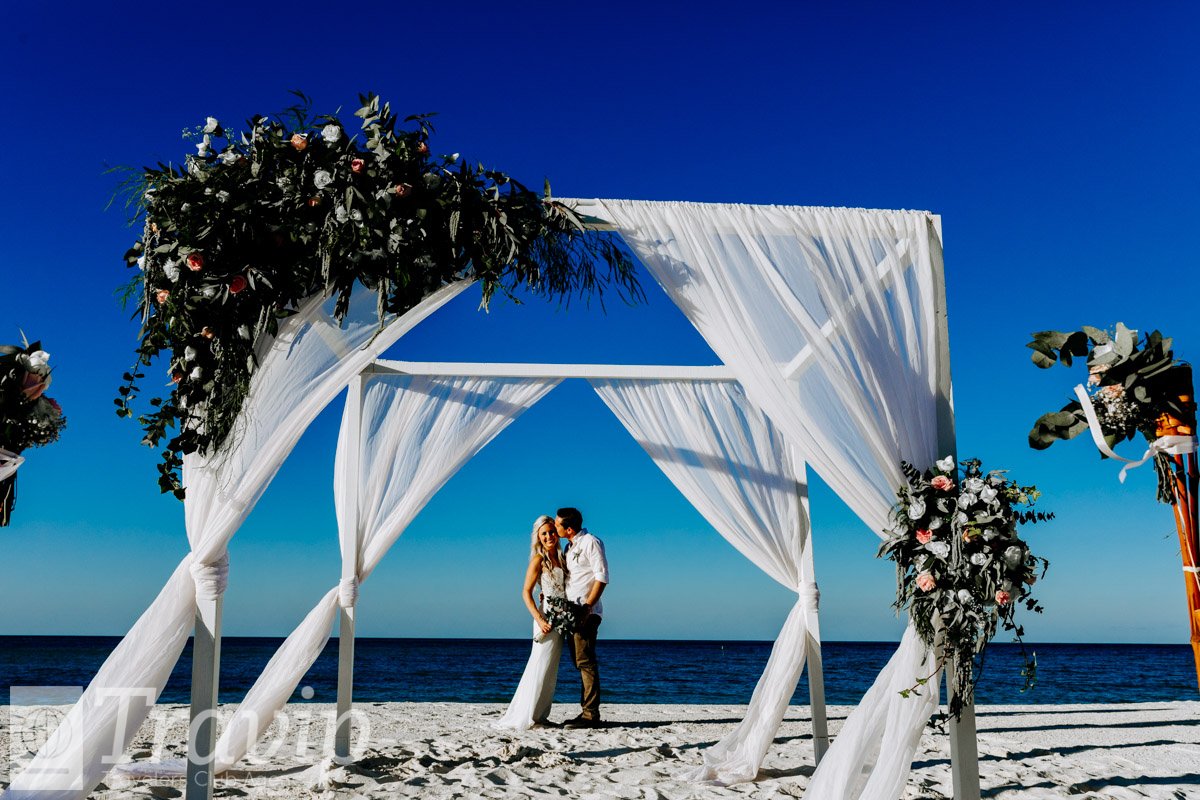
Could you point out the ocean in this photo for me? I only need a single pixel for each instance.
(487, 670)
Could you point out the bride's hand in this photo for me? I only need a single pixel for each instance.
(541, 621)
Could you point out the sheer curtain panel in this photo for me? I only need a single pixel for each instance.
(301, 370)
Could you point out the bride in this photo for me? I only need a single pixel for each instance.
(531, 703)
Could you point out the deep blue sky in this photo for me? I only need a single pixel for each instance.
(1058, 142)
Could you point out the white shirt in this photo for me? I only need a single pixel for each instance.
(586, 564)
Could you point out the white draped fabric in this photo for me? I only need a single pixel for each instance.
(300, 371)
(9, 463)
(417, 432)
(734, 467)
(827, 317)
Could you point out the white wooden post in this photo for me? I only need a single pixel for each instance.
(345, 687)
(206, 670)
(964, 744)
(812, 649)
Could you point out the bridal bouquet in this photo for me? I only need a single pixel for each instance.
(28, 417)
(254, 222)
(962, 568)
(563, 615)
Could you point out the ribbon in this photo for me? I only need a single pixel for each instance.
(810, 594)
(1171, 445)
(9, 462)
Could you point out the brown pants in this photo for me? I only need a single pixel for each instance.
(583, 652)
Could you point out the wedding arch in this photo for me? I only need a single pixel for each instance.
(831, 328)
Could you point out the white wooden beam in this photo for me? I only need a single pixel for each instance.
(206, 671)
(345, 685)
(551, 371)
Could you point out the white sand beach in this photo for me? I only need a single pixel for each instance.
(448, 750)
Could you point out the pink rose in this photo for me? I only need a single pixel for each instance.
(942, 483)
(176, 375)
(161, 296)
(195, 262)
(237, 284)
(423, 148)
(33, 385)
(299, 141)
(970, 533)
(924, 536)
(925, 582)
(356, 165)
(403, 190)
(1003, 598)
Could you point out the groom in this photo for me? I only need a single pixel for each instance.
(587, 575)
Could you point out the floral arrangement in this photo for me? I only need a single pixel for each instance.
(962, 568)
(1136, 387)
(28, 417)
(563, 615)
(255, 222)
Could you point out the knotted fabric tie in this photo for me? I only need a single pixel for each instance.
(1171, 445)
(211, 579)
(348, 592)
(810, 594)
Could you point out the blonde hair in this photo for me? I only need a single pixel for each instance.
(536, 548)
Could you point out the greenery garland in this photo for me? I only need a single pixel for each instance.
(1136, 387)
(256, 222)
(28, 416)
(962, 569)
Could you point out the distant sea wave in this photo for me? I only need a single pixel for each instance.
(487, 670)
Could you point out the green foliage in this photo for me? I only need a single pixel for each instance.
(1134, 386)
(240, 234)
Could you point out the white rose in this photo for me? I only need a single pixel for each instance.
(988, 494)
(141, 263)
(340, 214)
(189, 354)
(223, 196)
(935, 523)
(204, 146)
(171, 271)
(964, 596)
(322, 179)
(916, 509)
(989, 534)
(331, 133)
(946, 464)
(974, 485)
(939, 549)
(209, 292)
(39, 361)
(211, 125)
(356, 215)
(243, 332)
(979, 559)
(195, 374)
(230, 156)
(966, 499)
(961, 518)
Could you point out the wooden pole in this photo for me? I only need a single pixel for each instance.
(1184, 486)
(206, 670)
(345, 687)
(812, 650)
(964, 745)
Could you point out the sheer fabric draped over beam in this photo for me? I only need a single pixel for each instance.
(301, 370)
(827, 317)
(416, 433)
(727, 459)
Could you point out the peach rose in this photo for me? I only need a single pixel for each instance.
(313, 202)
(207, 332)
(942, 483)
(1003, 598)
(161, 296)
(237, 284)
(176, 375)
(32, 386)
(924, 536)
(195, 262)
(423, 149)
(925, 582)
(357, 165)
(970, 534)
(299, 141)
(403, 190)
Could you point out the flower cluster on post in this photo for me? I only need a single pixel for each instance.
(1136, 387)
(962, 568)
(254, 223)
(28, 416)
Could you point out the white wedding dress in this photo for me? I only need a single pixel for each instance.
(535, 693)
